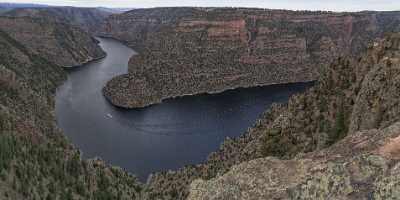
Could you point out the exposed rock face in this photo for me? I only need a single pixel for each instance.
(59, 43)
(363, 165)
(36, 161)
(204, 50)
(88, 19)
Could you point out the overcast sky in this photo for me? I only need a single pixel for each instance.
(334, 5)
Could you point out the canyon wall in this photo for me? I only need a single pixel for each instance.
(59, 43)
(362, 165)
(36, 160)
(338, 140)
(186, 51)
(87, 19)
(355, 100)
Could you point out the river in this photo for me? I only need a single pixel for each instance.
(166, 136)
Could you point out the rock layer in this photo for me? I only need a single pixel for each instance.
(187, 51)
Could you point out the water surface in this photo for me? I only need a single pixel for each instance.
(166, 136)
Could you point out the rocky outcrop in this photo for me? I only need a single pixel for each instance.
(186, 51)
(36, 161)
(88, 19)
(365, 165)
(59, 43)
(362, 165)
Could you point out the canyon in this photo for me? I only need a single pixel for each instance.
(185, 51)
(174, 59)
(344, 124)
(355, 107)
(337, 140)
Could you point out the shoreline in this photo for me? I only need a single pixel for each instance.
(215, 92)
(90, 60)
(97, 58)
(85, 63)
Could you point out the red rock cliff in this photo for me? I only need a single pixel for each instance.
(196, 50)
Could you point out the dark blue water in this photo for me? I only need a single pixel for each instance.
(166, 136)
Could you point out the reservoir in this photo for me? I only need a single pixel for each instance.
(166, 136)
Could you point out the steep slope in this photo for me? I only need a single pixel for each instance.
(351, 95)
(199, 50)
(362, 165)
(36, 161)
(88, 19)
(57, 42)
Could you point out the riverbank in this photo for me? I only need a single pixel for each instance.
(87, 62)
(134, 102)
